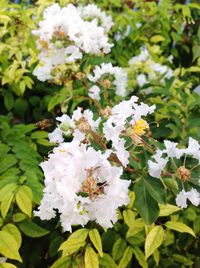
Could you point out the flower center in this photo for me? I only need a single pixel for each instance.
(91, 187)
(183, 173)
(140, 127)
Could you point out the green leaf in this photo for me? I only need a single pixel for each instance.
(155, 189)
(7, 162)
(13, 230)
(126, 258)
(107, 262)
(8, 246)
(63, 262)
(74, 242)
(118, 249)
(96, 240)
(31, 229)
(156, 256)
(7, 265)
(7, 190)
(91, 258)
(17, 217)
(166, 210)
(5, 204)
(140, 257)
(157, 38)
(24, 198)
(153, 240)
(145, 204)
(40, 134)
(129, 217)
(8, 100)
(180, 227)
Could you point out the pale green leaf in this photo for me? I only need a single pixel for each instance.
(153, 240)
(180, 227)
(96, 240)
(13, 230)
(24, 198)
(74, 242)
(5, 204)
(129, 217)
(91, 258)
(8, 246)
(140, 257)
(126, 258)
(64, 262)
(166, 210)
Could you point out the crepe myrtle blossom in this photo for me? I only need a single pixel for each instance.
(79, 125)
(193, 196)
(107, 76)
(63, 36)
(91, 11)
(126, 118)
(146, 69)
(81, 185)
(161, 158)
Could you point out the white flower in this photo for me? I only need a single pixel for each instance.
(193, 149)
(63, 35)
(181, 199)
(193, 196)
(94, 93)
(141, 79)
(92, 11)
(82, 185)
(171, 151)
(120, 76)
(155, 168)
(123, 115)
(78, 125)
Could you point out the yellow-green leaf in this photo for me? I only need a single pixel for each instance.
(140, 257)
(129, 217)
(96, 240)
(7, 265)
(126, 258)
(64, 262)
(13, 230)
(157, 38)
(180, 227)
(166, 210)
(5, 204)
(118, 249)
(153, 240)
(24, 198)
(107, 262)
(91, 258)
(156, 256)
(9, 247)
(8, 189)
(74, 242)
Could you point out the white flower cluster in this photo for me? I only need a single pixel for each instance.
(81, 185)
(125, 116)
(123, 119)
(162, 157)
(108, 76)
(64, 35)
(91, 11)
(147, 69)
(193, 196)
(78, 125)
